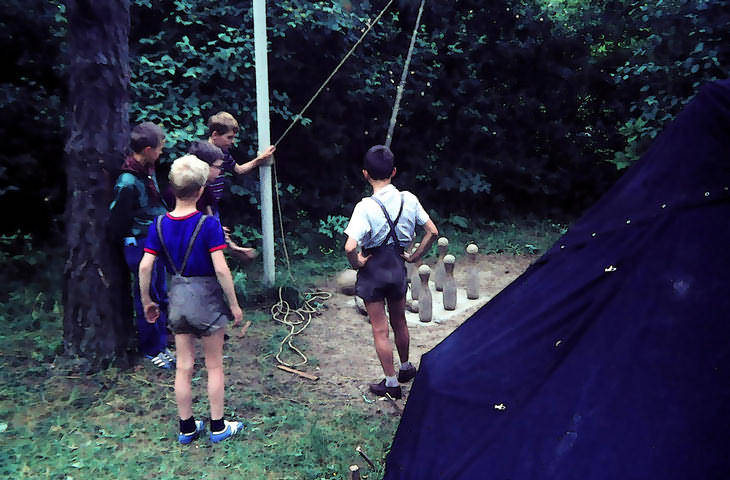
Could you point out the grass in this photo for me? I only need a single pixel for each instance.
(122, 423)
(523, 236)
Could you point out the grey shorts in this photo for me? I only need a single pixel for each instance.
(196, 306)
(383, 276)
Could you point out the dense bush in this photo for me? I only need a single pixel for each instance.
(510, 107)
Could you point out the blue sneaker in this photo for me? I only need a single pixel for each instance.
(169, 356)
(159, 361)
(231, 429)
(185, 438)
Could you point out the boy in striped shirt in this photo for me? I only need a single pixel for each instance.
(223, 129)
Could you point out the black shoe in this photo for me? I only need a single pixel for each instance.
(381, 390)
(407, 374)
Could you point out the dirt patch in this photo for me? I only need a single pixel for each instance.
(340, 341)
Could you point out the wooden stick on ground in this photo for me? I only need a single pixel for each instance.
(298, 372)
(362, 454)
(244, 329)
(354, 472)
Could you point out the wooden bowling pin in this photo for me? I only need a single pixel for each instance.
(449, 283)
(472, 275)
(439, 273)
(415, 279)
(425, 304)
(412, 305)
(409, 266)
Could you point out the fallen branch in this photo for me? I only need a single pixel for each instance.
(298, 372)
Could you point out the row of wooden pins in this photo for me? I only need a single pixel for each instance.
(419, 274)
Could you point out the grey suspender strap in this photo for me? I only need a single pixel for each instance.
(392, 224)
(158, 226)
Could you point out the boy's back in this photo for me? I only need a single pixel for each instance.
(369, 226)
(382, 225)
(176, 233)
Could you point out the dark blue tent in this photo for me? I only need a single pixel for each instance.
(609, 358)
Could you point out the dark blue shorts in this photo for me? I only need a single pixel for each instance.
(383, 276)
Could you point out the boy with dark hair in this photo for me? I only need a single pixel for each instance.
(214, 157)
(208, 204)
(137, 201)
(191, 244)
(383, 224)
(223, 128)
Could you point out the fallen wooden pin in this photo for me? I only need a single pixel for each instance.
(362, 454)
(393, 402)
(298, 372)
(354, 472)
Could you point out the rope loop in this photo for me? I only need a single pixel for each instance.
(282, 313)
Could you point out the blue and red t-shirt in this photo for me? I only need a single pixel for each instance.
(177, 232)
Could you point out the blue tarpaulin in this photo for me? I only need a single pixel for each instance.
(609, 358)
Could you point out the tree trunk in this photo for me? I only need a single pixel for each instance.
(97, 324)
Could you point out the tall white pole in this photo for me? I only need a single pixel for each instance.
(262, 114)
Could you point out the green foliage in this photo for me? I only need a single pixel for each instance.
(677, 46)
(510, 107)
(334, 226)
(32, 93)
(521, 236)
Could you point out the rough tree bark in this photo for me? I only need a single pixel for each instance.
(97, 324)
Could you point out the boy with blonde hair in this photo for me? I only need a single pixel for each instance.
(191, 245)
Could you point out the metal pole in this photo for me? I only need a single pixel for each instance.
(262, 115)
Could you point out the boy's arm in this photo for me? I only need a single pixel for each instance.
(262, 159)
(356, 259)
(121, 211)
(428, 238)
(151, 309)
(223, 273)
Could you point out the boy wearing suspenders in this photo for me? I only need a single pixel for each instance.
(202, 295)
(382, 225)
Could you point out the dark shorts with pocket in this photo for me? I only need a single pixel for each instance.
(383, 276)
(197, 306)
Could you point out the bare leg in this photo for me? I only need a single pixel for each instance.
(397, 310)
(213, 350)
(184, 374)
(383, 347)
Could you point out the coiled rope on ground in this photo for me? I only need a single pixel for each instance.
(297, 320)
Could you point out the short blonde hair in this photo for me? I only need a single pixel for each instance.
(187, 175)
(222, 123)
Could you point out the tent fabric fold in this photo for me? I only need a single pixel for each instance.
(610, 356)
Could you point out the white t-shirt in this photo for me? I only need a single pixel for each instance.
(368, 224)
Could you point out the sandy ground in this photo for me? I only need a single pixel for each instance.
(340, 339)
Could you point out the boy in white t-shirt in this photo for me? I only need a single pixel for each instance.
(382, 225)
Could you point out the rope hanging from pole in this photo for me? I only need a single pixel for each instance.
(281, 310)
(298, 116)
(393, 117)
(402, 84)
